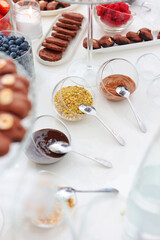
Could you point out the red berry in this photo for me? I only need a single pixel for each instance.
(4, 7)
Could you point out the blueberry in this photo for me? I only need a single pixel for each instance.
(22, 52)
(1, 34)
(8, 52)
(13, 37)
(13, 55)
(24, 46)
(5, 40)
(5, 45)
(3, 49)
(19, 41)
(18, 53)
(11, 42)
(9, 38)
(22, 39)
(13, 50)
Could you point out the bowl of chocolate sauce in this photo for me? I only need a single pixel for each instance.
(46, 130)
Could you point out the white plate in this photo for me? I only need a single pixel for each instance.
(58, 11)
(55, 12)
(71, 46)
(114, 48)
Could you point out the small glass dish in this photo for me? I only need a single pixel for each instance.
(125, 75)
(153, 91)
(26, 60)
(111, 20)
(68, 94)
(148, 66)
(38, 150)
(6, 21)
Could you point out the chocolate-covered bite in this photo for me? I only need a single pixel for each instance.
(145, 34)
(64, 5)
(158, 36)
(5, 144)
(121, 39)
(43, 5)
(50, 55)
(65, 31)
(52, 5)
(67, 26)
(96, 44)
(74, 16)
(106, 41)
(53, 47)
(7, 66)
(62, 36)
(57, 41)
(69, 21)
(134, 37)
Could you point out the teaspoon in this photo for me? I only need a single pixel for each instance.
(63, 147)
(124, 92)
(90, 110)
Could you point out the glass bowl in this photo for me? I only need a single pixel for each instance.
(153, 90)
(6, 21)
(37, 150)
(26, 60)
(16, 148)
(68, 94)
(121, 72)
(148, 66)
(113, 20)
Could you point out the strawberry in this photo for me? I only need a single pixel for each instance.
(4, 7)
(1, 16)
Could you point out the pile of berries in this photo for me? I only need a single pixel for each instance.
(114, 14)
(13, 46)
(5, 23)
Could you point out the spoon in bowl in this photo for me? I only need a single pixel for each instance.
(90, 110)
(124, 92)
(64, 147)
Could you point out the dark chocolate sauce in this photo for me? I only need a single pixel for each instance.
(45, 137)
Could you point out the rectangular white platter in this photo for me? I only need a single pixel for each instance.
(71, 46)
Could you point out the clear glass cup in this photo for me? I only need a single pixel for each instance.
(112, 67)
(153, 91)
(26, 60)
(148, 66)
(120, 20)
(142, 213)
(64, 106)
(6, 21)
(33, 152)
(27, 18)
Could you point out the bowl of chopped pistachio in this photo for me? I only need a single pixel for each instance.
(69, 94)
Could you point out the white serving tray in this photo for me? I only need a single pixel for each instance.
(71, 46)
(116, 48)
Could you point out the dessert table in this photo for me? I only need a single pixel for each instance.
(103, 215)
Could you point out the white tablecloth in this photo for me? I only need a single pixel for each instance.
(90, 137)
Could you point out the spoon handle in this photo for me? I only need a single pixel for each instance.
(114, 133)
(103, 190)
(101, 161)
(140, 123)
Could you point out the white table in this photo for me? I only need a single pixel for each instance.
(90, 137)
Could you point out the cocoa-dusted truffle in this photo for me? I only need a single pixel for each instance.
(121, 39)
(134, 37)
(145, 34)
(52, 5)
(106, 41)
(96, 44)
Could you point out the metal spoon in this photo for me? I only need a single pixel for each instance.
(69, 192)
(63, 147)
(124, 92)
(90, 110)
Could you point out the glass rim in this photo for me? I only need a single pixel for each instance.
(123, 13)
(100, 73)
(17, 10)
(61, 122)
(62, 82)
(23, 35)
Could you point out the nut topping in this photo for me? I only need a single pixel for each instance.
(6, 96)
(6, 121)
(8, 79)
